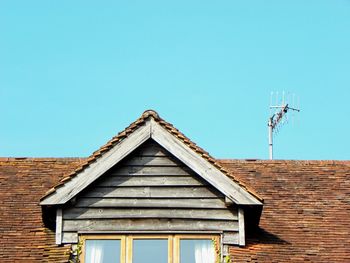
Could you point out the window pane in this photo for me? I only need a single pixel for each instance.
(102, 251)
(197, 251)
(150, 251)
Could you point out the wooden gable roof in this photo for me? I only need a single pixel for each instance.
(151, 126)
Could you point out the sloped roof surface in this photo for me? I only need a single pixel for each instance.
(306, 215)
(130, 129)
(23, 236)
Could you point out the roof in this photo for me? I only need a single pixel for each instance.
(306, 214)
(23, 235)
(145, 127)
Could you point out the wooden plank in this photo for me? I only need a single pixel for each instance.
(241, 227)
(96, 169)
(148, 225)
(201, 166)
(118, 181)
(151, 161)
(69, 237)
(151, 149)
(110, 213)
(228, 201)
(230, 238)
(152, 192)
(146, 202)
(59, 226)
(149, 171)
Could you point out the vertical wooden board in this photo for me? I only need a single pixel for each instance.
(241, 227)
(59, 226)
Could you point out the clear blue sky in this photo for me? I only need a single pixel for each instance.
(74, 73)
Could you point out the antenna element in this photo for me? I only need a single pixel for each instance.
(281, 109)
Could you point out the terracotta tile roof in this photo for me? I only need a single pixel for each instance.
(306, 214)
(132, 127)
(23, 235)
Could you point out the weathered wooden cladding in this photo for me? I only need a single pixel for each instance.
(110, 213)
(150, 171)
(149, 191)
(148, 225)
(147, 180)
(151, 202)
(150, 161)
(151, 148)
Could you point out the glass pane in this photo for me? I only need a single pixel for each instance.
(197, 251)
(102, 251)
(150, 251)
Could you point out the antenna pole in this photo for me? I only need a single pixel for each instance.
(270, 139)
(276, 119)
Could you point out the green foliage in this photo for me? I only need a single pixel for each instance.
(227, 258)
(75, 253)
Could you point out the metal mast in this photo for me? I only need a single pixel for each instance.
(276, 118)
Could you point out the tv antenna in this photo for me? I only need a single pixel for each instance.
(280, 109)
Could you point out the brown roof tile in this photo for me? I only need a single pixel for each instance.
(23, 235)
(306, 214)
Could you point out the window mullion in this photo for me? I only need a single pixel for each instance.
(176, 249)
(170, 249)
(128, 249)
(123, 250)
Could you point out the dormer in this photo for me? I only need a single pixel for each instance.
(151, 187)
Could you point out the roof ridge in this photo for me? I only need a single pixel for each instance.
(132, 127)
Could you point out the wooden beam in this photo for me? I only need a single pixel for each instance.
(152, 192)
(151, 203)
(148, 224)
(151, 161)
(96, 169)
(59, 226)
(111, 213)
(150, 171)
(152, 129)
(165, 180)
(201, 166)
(241, 226)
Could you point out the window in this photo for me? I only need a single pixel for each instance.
(149, 248)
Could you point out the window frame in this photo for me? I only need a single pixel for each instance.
(126, 243)
(179, 237)
(122, 239)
